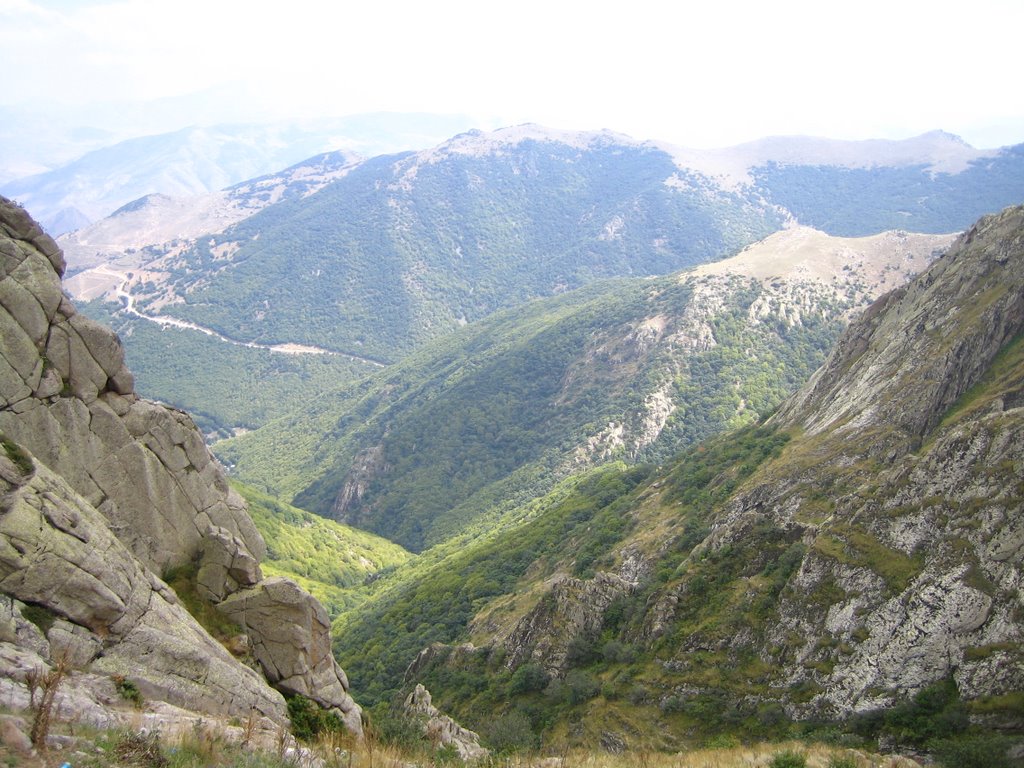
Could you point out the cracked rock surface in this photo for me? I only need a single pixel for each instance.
(101, 492)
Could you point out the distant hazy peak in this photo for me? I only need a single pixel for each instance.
(939, 151)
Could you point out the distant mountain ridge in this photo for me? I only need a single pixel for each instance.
(409, 247)
(398, 250)
(202, 159)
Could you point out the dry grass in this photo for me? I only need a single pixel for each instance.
(758, 756)
(209, 748)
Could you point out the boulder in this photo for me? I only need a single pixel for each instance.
(290, 636)
(226, 565)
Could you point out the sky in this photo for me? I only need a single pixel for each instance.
(696, 74)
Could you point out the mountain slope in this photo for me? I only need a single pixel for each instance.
(406, 248)
(631, 369)
(923, 197)
(860, 551)
(142, 230)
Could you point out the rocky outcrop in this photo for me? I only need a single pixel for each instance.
(67, 397)
(904, 490)
(928, 341)
(109, 615)
(440, 729)
(572, 610)
(290, 635)
(100, 492)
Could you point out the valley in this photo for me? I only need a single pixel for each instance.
(610, 446)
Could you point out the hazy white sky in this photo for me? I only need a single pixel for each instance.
(703, 74)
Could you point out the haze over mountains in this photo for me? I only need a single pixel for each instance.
(74, 192)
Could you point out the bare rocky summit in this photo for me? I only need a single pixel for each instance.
(101, 493)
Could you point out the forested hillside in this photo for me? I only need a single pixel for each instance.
(494, 414)
(373, 259)
(406, 248)
(850, 567)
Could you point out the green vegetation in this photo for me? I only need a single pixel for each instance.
(936, 720)
(788, 759)
(224, 387)
(309, 721)
(39, 615)
(862, 201)
(22, 460)
(380, 261)
(182, 580)
(494, 414)
(377, 643)
(128, 691)
(325, 557)
(578, 531)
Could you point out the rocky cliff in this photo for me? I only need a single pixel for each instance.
(901, 490)
(861, 547)
(102, 493)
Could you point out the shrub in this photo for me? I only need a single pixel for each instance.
(788, 759)
(936, 712)
(18, 455)
(128, 690)
(309, 720)
(580, 687)
(527, 679)
(844, 761)
(510, 733)
(980, 751)
(39, 615)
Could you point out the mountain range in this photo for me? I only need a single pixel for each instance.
(659, 463)
(199, 159)
(371, 259)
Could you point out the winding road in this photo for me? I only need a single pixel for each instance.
(287, 349)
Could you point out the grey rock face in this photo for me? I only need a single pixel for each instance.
(927, 341)
(441, 729)
(225, 566)
(66, 396)
(913, 571)
(109, 613)
(573, 609)
(99, 492)
(290, 635)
